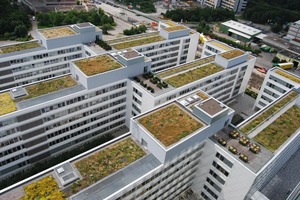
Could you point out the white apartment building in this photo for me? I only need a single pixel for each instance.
(48, 57)
(277, 82)
(213, 47)
(294, 31)
(236, 6)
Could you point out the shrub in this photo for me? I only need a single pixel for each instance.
(152, 80)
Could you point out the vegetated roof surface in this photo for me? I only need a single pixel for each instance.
(232, 54)
(203, 95)
(138, 42)
(7, 104)
(97, 65)
(185, 66)
(273, 136)
(134, 37)
(175, 28)
(221, 45)
(57, 32)
(193, 75)
(106, 162)
(170, 124)
(289, 76)
(170, 23)
(255, 122)
(19, 47)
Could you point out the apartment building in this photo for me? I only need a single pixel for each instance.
(48, 57)
(236, 6)
(213, 47)
(294, 31)
(277, 82)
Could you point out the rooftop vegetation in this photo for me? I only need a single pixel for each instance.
(97, 65)
(7, 105)
(46, 188)
(19, 47)
(186, 67)
(202, 95)
(46, 87)
(123, 39)
(286, 75)
(138, 42)
(232, 54)
(268, 113)
(57, 32)
(193, 75)
(175, 28)
(280, 130)
(170, 23)
(106, 162)
(221, 45)
(170, 124)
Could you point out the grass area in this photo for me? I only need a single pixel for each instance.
(97, 65)
(44, 189)
(221, 45)
(286, 75)
(280, 130)
(106, 162)
(139, 42)
(126, 39)
(57, 32)
(46, 87)
(7, 105)
(185, 67)
(232, 54)
(193, 75)
(170, 23)
(267, 113)
(19, 47)
(175, 28)
(170, 124)
(202, 95)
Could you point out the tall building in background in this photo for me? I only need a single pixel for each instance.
(236, 6)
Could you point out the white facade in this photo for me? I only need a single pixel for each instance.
(274, 86)
(294, 31)
(236, 6)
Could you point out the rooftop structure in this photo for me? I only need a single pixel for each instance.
(165, 124)
(232, 54)
(137, 42)
(19, 47)
(97, 65)
(50, 33)
(221, 45)
(175, 28)
(211, 106)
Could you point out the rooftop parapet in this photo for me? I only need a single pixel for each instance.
(56, 32)
(19, 47)
(231, 58)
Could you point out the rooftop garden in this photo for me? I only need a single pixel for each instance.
(170, 23)
(138, 42)
(221, 45)
(19, 47)
(268, 113)
(202, 95)
(175, 28)
(97, 65)
(170, 124)
(185, 67)
(123, 39)
(286, 75)
(193, 75)
(57, 32)
(280, 130)
(46, 188)
(232, 54)
(7, 105)
(106, 162)
(46, 87)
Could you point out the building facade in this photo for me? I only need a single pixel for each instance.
(236, 6)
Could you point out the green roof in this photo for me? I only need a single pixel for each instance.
(138, 42)
(19, 47)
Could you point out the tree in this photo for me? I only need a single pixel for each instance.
(106, 27)
(20, 30)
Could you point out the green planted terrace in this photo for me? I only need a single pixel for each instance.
(19, 47)
(280, 130)
(193, 75)
(254, 123)
(7, 104)
(106, 162)
(138, 42)
(186, 67)
(125, 39)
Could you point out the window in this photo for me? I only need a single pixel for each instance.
(225, 160)
(221, 169)
(213, 184)
(210, 192)
(216, 176)
(144, 143)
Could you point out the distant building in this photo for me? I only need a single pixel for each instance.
(236, 6)
(294, 32)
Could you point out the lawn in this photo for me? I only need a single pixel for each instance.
(186, 67)
(138, 42)
(106, 162)
(19, 47)
(193, 75)
(97, 65)
(44, 189)
(280, 130)
(7, 105)
(170, 124)
(267, 113)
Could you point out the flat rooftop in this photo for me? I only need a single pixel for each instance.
(83, 25)
(232, 54)
(170, 23)
(241, 27)
(97, 65)
(131, 54)
(19, 47)
(221, 45)
(134, 37)
(174, 28)
(57, 32)
(137, 42)
(211, 106)
(171, 123)
(288, 75)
